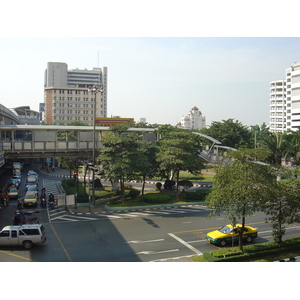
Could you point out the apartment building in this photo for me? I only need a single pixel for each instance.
(285, 101)
(278, 105)
(194, 119)
(68, 97)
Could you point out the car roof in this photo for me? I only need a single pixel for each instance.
(12, 227)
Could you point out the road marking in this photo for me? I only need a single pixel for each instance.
(18, 256)
(185, 244)
(139, 241)
(198, 241)
(157, 252)
(66, 219)
(60, 242)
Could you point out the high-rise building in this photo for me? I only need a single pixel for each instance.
(278, 105)
(67, 96)
(285, 101)
(194, 119)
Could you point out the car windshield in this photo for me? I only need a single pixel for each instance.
(225, 229)
(32, 188)
(29, 196)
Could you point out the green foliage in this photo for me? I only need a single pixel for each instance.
(231, 133)
(158, 185)
(199, 195)
(156, 198)
(68, 183)
(133, 193)
(253, 251)
(283, 207)
(241, 187)
(185, 183)
(178, 150)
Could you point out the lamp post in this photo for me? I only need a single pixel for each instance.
(94, 89)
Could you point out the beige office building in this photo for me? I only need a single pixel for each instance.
(67, 94)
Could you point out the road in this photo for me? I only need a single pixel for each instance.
(131, 236)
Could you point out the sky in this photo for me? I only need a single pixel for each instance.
(158, 76)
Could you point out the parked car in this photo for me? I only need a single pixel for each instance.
(13, 192)
(18, 177)
(17, 173)
(22, 235)
(30, 199)
(31, 172)
(28, 184)
(34, 189)
(225, 234)
(32, 178)
(14, 182)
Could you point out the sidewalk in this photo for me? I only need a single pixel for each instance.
(64, 173)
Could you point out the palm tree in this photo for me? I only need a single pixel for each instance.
(293, 148)
(276, 144)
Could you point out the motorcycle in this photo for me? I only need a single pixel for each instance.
(51, 204)
(43, 198)
(51, 201)
(43, 201)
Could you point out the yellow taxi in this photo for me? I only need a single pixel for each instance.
(225, 234)
(13, 192)
(30, 199)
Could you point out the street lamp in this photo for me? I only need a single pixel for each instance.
(94, 89)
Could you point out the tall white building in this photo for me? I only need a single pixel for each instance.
(278, 105)
(285, 101)
(194, 119)
(67, 97)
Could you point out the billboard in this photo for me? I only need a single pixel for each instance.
(108, 122)
(42, 107)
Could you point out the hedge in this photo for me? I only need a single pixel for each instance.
(252, 252)
(156, 198)
(199, 195)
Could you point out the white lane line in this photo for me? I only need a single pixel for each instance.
(86, 218)
(139, 241)
(157, 252)
(66, 219)
(185, 244)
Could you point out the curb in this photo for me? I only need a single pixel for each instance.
(107, 208)
(288, 259)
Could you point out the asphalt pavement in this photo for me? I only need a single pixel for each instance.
(63, 173)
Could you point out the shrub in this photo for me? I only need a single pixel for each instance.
(133, 193)
(156, 198)
(186, 184)
(70, 182)
(199, 195)
(252, 252)
(158, 185)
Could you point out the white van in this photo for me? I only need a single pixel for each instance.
(22, 235)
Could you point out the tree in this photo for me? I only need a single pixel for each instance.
(275, 143)
(72, 163)
(292, 152)
(119, 157)
(283, 207)
(178, 151)
(241, 188)
(147, 164)
(230, 133)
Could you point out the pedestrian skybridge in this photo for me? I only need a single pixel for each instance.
(48, 141)
(26, 141)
